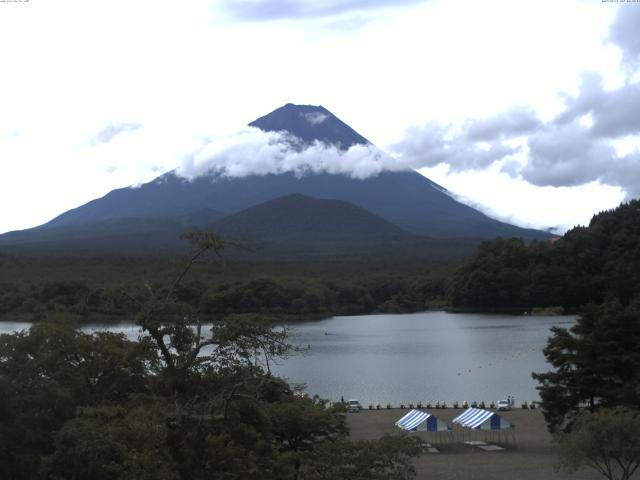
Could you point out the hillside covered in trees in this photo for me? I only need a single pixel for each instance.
(590, 396)
(587, 265)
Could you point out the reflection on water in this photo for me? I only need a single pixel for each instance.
(10, 327)
(408, 358)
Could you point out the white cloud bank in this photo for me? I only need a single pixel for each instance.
(251, 151)
(596, 138)
(102, 95)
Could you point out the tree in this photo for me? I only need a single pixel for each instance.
(607, 441)
(587, 265)
(185, 350)
(299, 424)
(387, 458)
(179, 403)
(46, 373)
(595, 364)
(126, 442)
(167, 320)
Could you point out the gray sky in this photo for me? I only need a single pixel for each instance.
(527, 110)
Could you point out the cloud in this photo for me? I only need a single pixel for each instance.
(567, 155)
(625, 33)
(435, 144)
(515, 201)
(615, 113)
(571, 155)
(252, 151)
(514, 122)
(349, 24)
(580, 146)
(314, 118)
(107, 133)
(266, 10)
(625, 173)
(576, 148)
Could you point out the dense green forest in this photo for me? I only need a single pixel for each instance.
(587, 265)
(177, 404)
(590, 396)
(91, 288)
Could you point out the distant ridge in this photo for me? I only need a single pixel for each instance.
(299, 226)
(304, 219)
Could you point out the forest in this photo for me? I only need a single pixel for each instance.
(179, 403)
(591, 394)
(588, 265)
(91, 288)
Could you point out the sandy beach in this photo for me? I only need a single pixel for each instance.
(531, 457)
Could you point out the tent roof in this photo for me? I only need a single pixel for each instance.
(412, 419)
(415, 418)
(483, 419)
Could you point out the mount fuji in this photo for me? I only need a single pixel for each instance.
(341, 212)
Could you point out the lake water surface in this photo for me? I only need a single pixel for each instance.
(411, 357)
(422, 357)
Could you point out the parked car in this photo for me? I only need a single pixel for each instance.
(503, 405)
(354, 406)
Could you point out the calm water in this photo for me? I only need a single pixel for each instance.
(422, 357)
(408, 358)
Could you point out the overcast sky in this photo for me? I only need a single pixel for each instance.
(528, 110)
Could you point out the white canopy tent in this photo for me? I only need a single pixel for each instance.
(479, 419)
(485, 421)
(418, 421)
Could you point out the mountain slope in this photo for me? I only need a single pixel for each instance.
(303, 219)
(406, 199)
(117, 235)
(300, 226)
(310, 123)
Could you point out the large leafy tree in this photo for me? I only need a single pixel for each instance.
(114, 442)
(607, 441)
(46, 373)
(387, 458)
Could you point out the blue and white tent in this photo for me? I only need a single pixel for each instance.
(479, 419)
(418, 421)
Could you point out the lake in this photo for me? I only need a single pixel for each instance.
(411, 357)
(422, 357)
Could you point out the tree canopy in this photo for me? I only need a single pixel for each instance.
(589, 396)
(179, 403)
(587, 265)
(595, 364)
(607, 441)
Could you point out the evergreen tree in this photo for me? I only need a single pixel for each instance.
(595, 364)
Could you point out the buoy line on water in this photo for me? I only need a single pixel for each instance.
(499, 363)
